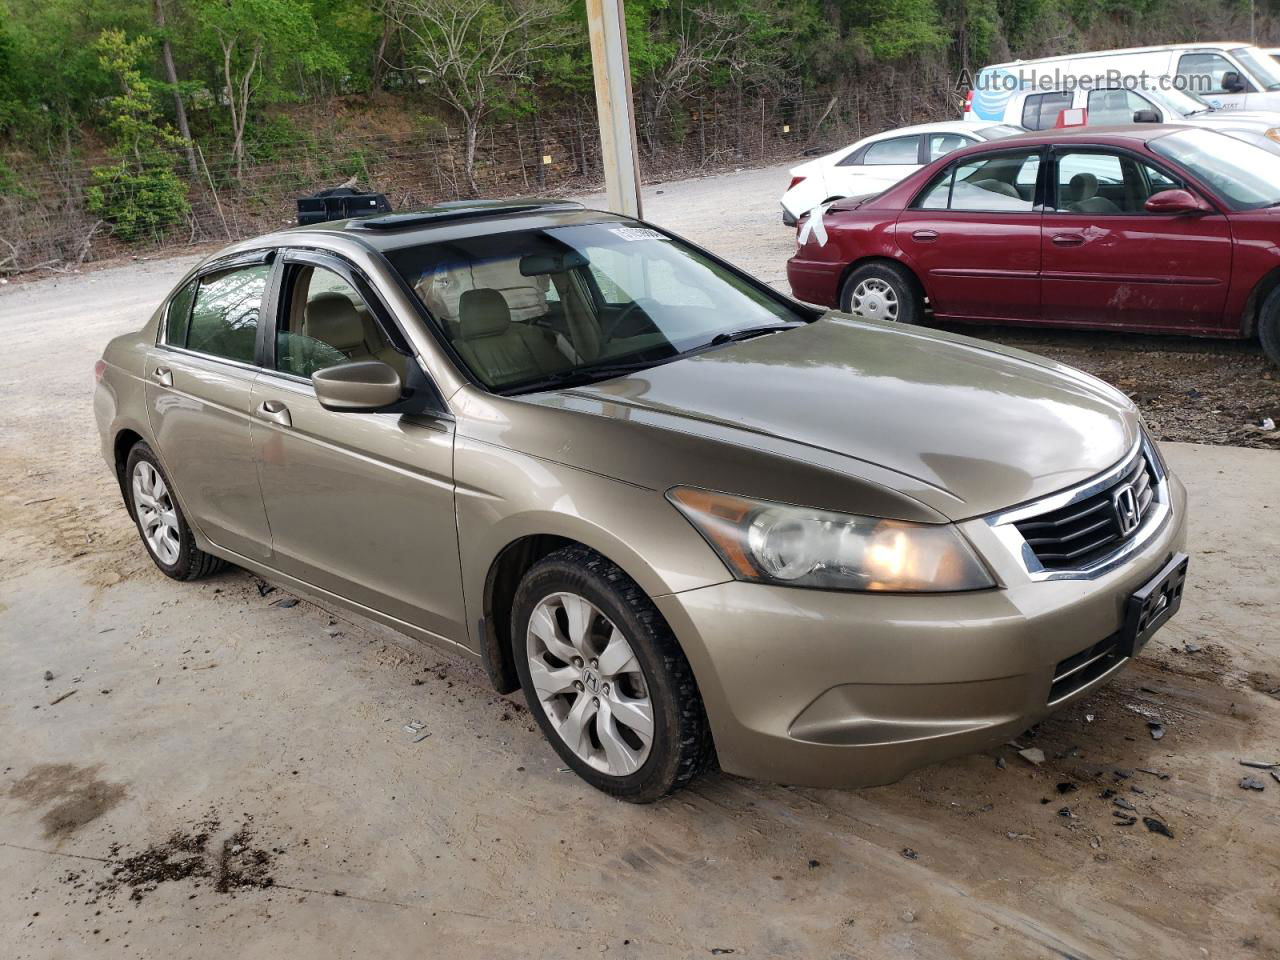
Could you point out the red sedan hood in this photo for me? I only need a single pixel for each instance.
(984, 427)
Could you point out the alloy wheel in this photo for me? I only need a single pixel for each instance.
(589, 684)
(875, 299)
(157, 516)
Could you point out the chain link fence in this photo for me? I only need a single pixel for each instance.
(46, 219)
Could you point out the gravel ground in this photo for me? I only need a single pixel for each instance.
(212, 770)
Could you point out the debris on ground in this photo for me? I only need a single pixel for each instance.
(1032, 755)
(1066, 812)
(1000, 762)
(416, 730)
(1123, 819)
(186, 855)
(1258, 764)
(264, 588)
(1153, 773)
(910, 854)
(1252, 783)
(285, 602)
(1067, 787)
(1157, 729)
(57, 700)
(1158, 826)
(48, 675)
(1019, 836)
(1123, 804)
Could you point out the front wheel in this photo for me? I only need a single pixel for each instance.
(605, 679)
(882, 291)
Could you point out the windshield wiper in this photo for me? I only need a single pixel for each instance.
(582, 376)
(746, 333)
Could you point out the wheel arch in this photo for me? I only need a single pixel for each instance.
(871, 259)
(1251, 316)
(125, 440)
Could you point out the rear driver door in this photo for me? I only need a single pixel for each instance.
(198, 384)
(973, 237)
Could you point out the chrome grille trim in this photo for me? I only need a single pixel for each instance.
(1156, 514)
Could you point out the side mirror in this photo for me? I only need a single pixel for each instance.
(1176, 201)
(1232, 82)
(364, 386)
(1146, 116)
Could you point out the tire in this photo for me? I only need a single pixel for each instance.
(171, 543)
(889, 293)
(607, 693)
(1269, 326)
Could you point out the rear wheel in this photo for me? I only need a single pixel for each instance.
(1269, 326)
(605, 679)
(161, 525)
(882, 291)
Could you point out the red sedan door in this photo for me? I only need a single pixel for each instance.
(973, 237)
(1109, 263)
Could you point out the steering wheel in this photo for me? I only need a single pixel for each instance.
(607, 331)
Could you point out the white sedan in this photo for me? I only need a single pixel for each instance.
(877, 162)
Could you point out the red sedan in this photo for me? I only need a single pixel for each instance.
(1156, 229)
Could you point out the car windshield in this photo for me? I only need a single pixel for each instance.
(533, 309)
(1184, 103)
(999, 131)
(1264, 68)
(1245, 176)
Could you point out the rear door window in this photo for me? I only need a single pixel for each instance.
(1040, 110)
(895, 151)
(225, 315)
(1002, 184)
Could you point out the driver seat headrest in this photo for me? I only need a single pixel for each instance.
(483, 312)
(1083, 186)
(332, 318)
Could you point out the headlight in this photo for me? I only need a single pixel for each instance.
(1274, 134)
(796, 546)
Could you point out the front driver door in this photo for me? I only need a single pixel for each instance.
(360, 504)
(1107, 262)
(973, 237)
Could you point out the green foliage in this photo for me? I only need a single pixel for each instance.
(139, 194)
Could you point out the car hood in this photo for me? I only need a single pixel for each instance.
(1241, 119)
(975, 426)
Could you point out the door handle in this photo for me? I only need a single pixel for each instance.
(163, 376)
(276, 412)
(1068, 239)
(925, 236)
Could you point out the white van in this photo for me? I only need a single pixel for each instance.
(1229, 76)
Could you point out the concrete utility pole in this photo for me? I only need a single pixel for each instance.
(612, 69)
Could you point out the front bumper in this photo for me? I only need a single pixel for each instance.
(831, 689)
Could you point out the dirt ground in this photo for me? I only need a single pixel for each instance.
(214, 769)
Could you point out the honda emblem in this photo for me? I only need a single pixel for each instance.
(1125, 504)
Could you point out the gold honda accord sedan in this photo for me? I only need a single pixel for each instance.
(696, 521)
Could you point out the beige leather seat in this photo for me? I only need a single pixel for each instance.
(332, 318)
(1082, 194)
(499, 350)
(441, 289)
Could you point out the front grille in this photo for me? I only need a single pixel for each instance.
(1081, 669)
(1086, 531)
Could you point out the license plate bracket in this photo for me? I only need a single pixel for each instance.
(1150, 607)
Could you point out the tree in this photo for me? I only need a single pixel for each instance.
(472, 54)
(139, 194)
(257, 45)
(171, 76)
